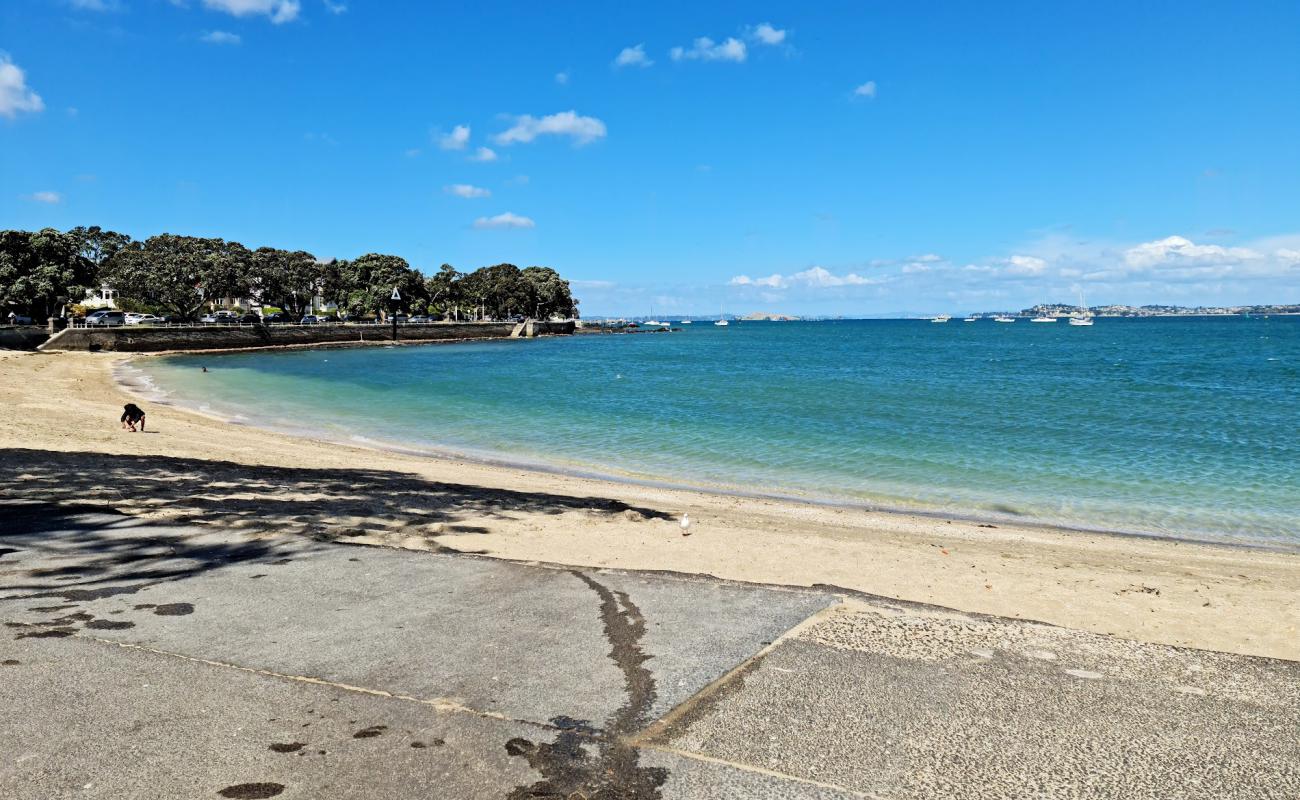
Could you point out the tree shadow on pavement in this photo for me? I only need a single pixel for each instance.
(318, 504)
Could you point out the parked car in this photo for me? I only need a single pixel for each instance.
(222, 317)
(310, 319)
(143, 319)
(250, 319)
(420, 319)
(105, 318)
(278, 318)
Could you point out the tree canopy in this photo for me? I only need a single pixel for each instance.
(41, 271)
(182, 275)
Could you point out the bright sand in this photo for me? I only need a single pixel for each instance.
(1207, 596)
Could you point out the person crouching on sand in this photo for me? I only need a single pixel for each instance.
(132, 415)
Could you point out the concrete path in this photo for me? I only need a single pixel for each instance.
(143, 661)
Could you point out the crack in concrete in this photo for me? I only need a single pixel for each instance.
(567, 769)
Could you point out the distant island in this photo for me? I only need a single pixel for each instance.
(1065, 310)
(758, 316)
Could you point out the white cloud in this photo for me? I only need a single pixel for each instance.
(813, 278)
(278, 10)
(1175, 250)
(15, 97)
(915, 267)
(220, 37)
(484, 154)
(456, 140)
(1025, 265)
(412, 152)
(583, 130)
(506, 220)
(466, 190)
(562, 78)
(592, 284)
(632, 57)
(928, 258)
(764, 33)
(705, 49)
(52, 198)
(335, 8)
(867, 90)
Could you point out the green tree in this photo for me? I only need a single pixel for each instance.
(287, 279)
(443, 289)
(98, 245)
(549, 294)
(498, 291)
(42, 271)
(371, 279)
(181, 273)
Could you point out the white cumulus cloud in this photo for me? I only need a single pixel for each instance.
(562, 78)
(335, 8)
(1025, 265)
(1176, 250)
(633, 56)
(506, 220)
(812, 278)
(278, 10)
(52, 198)
(582, 130)
(764, 33)
(705, 49)
(15, 96)
(456, 140)
(484, 154)
(220, 37)
(867, 90)
(466, 190)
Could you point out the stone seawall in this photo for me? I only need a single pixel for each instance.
(22, 337)
(132, 339)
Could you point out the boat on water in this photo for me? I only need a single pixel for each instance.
(684, 322)
(722, 318)
(1004, 318)
(722, 323)
(1084, 318)
(1043, 316)
(940, 318)
(971, 319)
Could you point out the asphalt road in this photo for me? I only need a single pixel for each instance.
(144, 661)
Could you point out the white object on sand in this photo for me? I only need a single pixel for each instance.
(686, 524)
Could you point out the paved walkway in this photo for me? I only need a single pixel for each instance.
(144, 661)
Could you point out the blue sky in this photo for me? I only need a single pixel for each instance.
(849, 158)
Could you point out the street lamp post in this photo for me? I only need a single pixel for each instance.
(394, 303)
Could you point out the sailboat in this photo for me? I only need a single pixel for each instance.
(1084, 317)
(652, 322)
(1004, 318)
(1043, 316)
(722, 318)
(971, 319)
(940, 318)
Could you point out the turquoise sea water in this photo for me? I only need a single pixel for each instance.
(1184, 427)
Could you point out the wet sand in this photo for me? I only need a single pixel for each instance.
(61, 442)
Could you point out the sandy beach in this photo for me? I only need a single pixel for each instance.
(61, 442)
